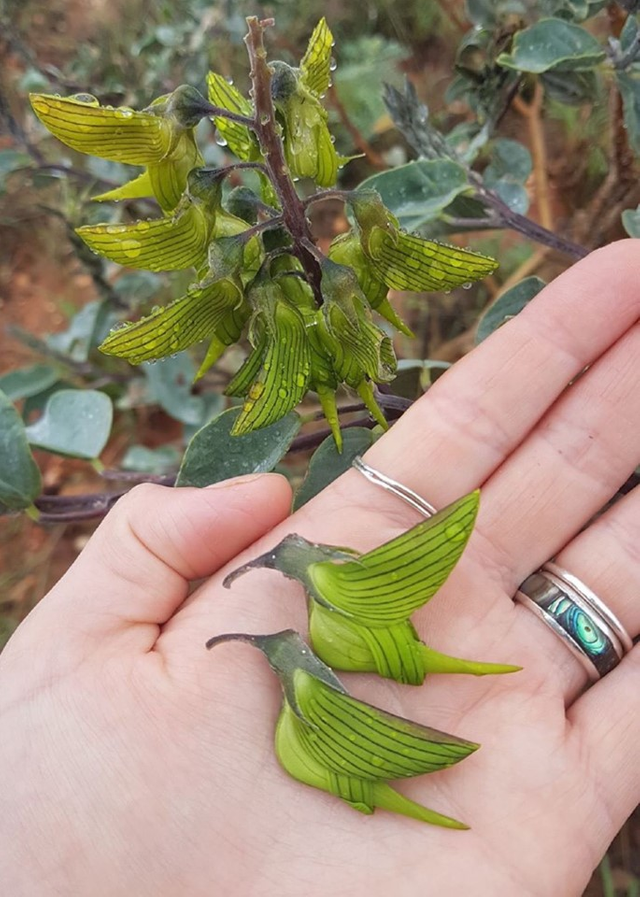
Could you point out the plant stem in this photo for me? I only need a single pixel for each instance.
(532, 113)
(293, 210)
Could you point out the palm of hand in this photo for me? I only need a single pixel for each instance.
(150, 762)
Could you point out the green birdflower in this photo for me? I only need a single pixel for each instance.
(214, 308)
(297, 95)
(406, 262)
(160, 137)
(329, 740)
(275, 376)
(360, 605)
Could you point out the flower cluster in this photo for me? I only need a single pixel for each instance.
(309, 319)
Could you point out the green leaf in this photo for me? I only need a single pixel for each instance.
(510, 159)
(29, 381)
(571, 88)
(20, 480)
(214, 454)
(10, 161)
(170, 383)
(508, 305)
(326, 464)
(553, 44)
(629, 86)
(630, 222)
(75, 422)
(162, 459)
(78, 339)
(419, 191)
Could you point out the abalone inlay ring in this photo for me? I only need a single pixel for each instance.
(577, 616)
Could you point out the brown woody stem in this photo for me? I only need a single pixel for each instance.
(265, 127)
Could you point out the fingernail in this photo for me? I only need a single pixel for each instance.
(237, 481)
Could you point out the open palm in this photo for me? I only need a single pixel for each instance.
(134, 762)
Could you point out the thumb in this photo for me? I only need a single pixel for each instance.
(137, 566)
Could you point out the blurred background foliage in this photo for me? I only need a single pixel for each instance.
(528, 128)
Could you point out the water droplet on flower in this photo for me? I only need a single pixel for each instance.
(131, 248)
(116, 229)
(333, 65)
(124, 112)
(220, 140)
(229, 80)
(87, 98)
(467, 286)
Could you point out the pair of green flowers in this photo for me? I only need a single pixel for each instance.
(359, 620)
(248, 278)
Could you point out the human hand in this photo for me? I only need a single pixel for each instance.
(135, 762)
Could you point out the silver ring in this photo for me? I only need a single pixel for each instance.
(577, 616)
(381, 479)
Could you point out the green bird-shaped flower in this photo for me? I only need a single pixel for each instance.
(297, 94)
(360, 605)
(160, 137)
(406, 262)
(329, 740)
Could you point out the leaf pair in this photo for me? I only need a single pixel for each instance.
(360, 605)
(329, 740)
(160, 137)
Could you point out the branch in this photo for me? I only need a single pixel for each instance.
(293, 210)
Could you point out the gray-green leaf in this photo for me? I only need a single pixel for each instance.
(418, 191)
(214, 454)
(20, 481)
(631, 221)
(326, 464)
(508, 305)
(75, 422)
(553, 44)
(629, 86)
(22, 383)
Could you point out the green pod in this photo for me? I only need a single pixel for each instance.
(329, 740)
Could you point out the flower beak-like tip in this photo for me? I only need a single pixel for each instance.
(229, 637)
(267, 560)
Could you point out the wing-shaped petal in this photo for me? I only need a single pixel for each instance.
(240, 139)
(284, 375)
(169, 177)
(352, 738)
(386, 585)
(315, 67)
(405, 262)
(175, 327)
(161, 244)
(122, 135)
(135, 189)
